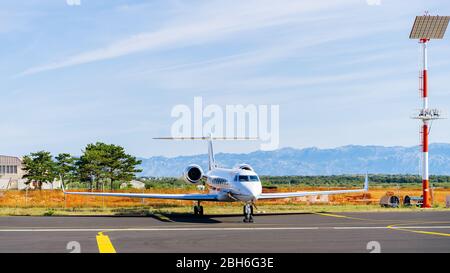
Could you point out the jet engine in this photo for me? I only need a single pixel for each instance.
(244, 167)
(193, 174)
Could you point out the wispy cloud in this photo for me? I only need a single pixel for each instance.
(235, 70)
(207, 25)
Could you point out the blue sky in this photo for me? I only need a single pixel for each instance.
(343, 71)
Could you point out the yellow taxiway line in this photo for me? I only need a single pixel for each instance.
(162, 218)
(393, 226)
(104, 244)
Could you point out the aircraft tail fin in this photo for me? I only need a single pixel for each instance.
(62, 185)
(211, 159)
(366, 182)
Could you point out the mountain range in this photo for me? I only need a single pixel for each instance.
(351, 159)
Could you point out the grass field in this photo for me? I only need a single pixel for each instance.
(53, 202)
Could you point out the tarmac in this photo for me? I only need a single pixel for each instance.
(424, 231)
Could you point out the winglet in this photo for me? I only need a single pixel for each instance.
(366, 182)
(62, 186)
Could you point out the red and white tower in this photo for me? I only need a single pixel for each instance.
(425, 28)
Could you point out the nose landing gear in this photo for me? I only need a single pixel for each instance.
(248, 213)
(198, 209)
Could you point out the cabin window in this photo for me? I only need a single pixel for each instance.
(219, 181)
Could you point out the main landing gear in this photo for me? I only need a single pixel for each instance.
(248, 213)
(198, 209)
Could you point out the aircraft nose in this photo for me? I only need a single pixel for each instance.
(252, 190)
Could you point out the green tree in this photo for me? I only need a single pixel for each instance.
(120, 166)
(39, 168)
(66, 167)
(90, 165)
(107, 163)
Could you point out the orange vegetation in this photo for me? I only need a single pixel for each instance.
(55, 198)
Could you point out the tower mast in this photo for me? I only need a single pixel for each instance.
(425, 28)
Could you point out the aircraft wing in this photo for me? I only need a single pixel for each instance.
(279, 195)
(191, 196)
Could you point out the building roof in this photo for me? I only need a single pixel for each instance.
(9, 160)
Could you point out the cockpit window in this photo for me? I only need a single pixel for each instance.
(252, 178)
(243, 178)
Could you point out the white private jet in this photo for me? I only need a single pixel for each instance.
(239, 184)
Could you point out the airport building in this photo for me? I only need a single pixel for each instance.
(134, 184)
(11, 175)
(10, 172)
(10, 167)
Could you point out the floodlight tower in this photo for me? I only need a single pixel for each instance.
(425, 28)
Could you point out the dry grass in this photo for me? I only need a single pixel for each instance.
(54, 202)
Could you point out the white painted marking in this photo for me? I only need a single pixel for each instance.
(213, 229)
(157, 229)
(426, 227)
(393, 227)
(351, 228)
